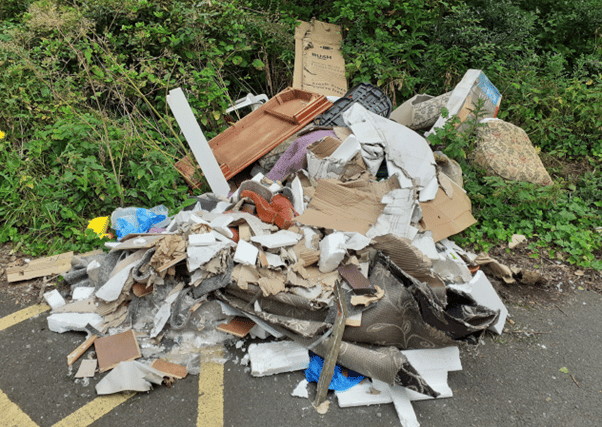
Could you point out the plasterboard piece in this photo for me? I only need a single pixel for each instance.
(82, 292)
(245, 253)
(197, 142)
(160, 319)
(204, 239)
(301, 389)
(279, 239)
(111, 290)
(365, 393)
(129, 376)
(480, 289)
(277, 357)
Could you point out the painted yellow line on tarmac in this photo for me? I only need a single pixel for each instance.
(94, 410)
(12, 415)
(211, 388)
(21, 315)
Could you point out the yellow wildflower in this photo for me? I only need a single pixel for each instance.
(2, 135)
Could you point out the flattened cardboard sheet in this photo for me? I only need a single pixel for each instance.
(56, 264)
(353, 206)
(446, 216)
(319, 64)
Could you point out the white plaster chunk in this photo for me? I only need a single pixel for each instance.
(332, 252)
(204, 239)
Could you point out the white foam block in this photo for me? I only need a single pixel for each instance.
(364, 394)
(63, 322)
(277, 357)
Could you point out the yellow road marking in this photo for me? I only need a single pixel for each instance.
(21, 315)
(12, 415)
(211, 389)
(94, 410)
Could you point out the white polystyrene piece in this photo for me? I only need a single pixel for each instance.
(63, 322)
(301, 389)
(82, 292)
(277, 357)
(364, 394)
(403, 406)
(54, 299)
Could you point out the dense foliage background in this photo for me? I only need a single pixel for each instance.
(87, 129)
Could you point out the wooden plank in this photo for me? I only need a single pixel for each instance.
(56, 264)
(75, 354)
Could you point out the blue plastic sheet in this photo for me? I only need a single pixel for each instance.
(339, 381)
(145, 218)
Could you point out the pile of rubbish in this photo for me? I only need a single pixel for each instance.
(334, 250)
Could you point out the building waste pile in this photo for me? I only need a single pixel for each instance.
(334, 251)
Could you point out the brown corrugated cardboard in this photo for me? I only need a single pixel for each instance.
(319, 64)
(353, 206)
(446, 216)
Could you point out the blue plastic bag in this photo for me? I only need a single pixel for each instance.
(339, 381)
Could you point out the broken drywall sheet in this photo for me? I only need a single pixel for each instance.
(446, 216)
(160, 319)
(277, 357)
(407, 152)
(329, 158)
(82, 292)
(279, 239)
(197, 142)
(63, 322)
(354, 241)
(397, 214)
(129, 376)
(111, 290)
(116, 348)
(319, 65)
(481, 290)
(245, 253)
